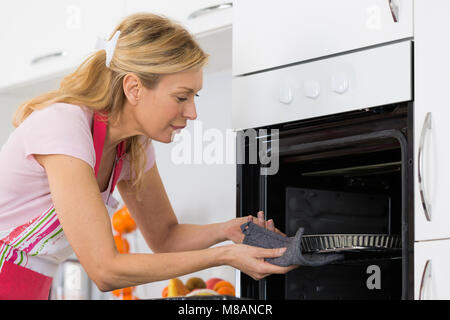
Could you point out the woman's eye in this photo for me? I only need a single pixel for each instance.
(180, 99)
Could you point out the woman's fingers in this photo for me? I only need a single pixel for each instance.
(268, 268)
(250, 260)
(279, 232)
(283, 270)
(270, 253)
(270, 225)
(261, 221)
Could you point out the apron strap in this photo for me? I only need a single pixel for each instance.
(99, 136)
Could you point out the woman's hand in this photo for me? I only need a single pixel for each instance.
(233, 230)
(250, 260)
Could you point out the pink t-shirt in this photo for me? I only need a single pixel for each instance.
(61, 128)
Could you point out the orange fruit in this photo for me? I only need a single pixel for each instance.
(117, 292)
(122, 221)
(127, 297)
(127, 291)
(228, 291)
(165, 292)
(221, 284)
(123, 293)
(122, 244)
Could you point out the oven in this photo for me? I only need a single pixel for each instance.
(327, 145)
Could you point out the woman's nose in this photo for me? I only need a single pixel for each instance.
(190, 111)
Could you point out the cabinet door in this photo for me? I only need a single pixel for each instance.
(198, 16)
(431, 114)
(288, 31)
(431, 266)
(49, 37)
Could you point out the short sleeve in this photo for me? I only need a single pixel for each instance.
(125, 174)
(60, 129)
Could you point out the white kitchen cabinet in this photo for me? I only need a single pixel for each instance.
(199, 16)
(431, 266)
(44, 38)
(59, 35)
(268, 34)
(431, 151)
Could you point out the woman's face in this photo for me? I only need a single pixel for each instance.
(171, 104)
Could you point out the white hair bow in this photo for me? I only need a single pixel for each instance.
(108, 45)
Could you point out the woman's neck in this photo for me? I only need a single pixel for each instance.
(119, 131)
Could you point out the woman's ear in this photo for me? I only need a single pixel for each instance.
(132, 88)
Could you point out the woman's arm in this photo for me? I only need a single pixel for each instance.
(158, 223)
(86, 224)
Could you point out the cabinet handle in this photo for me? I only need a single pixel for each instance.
(210, 9)
(48, 56)
(423, 195)
(393, 5)
(426, 274)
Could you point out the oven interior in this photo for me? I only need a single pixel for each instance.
(346, 174)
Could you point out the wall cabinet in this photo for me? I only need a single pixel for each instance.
(44, 38)
(269, 34)
(198, 16)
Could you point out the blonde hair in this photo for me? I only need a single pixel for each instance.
(149, 46)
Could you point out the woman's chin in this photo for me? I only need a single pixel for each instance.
(165, 139)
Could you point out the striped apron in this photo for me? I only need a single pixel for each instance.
(30, 253)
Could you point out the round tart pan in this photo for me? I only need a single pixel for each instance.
(342, 242)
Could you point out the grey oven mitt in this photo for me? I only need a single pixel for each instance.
(260, 237)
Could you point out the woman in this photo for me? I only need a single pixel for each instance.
(73, 145)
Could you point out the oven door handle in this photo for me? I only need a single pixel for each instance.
(426, 275)
(423, 195)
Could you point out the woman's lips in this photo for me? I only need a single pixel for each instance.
(176, 130)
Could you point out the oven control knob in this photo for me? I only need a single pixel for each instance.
(339, 83)
(311, 88)
(286, 95)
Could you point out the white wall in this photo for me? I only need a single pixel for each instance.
(8, 104)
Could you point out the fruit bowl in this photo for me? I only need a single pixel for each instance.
(197, 289)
